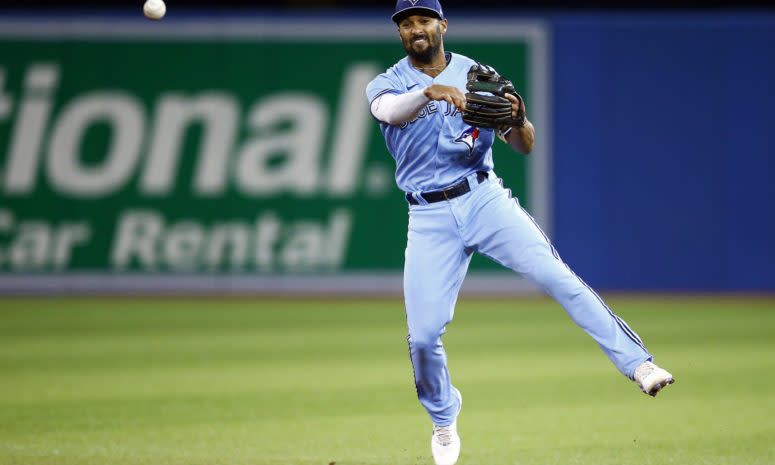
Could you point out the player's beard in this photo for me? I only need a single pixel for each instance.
(427, 54)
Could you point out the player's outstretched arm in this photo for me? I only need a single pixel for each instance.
(398, 108)
(521, 138)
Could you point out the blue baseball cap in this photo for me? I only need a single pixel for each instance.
(426, 6)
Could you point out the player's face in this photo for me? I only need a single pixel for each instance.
(421, 36)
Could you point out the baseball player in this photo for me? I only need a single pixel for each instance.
(458, 206)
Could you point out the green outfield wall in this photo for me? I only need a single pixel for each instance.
(239, 149)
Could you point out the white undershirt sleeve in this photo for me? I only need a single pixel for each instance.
(397, 108)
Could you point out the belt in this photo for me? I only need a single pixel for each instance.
(455, 190)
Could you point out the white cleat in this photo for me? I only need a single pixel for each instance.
(445, 442)
(652, 378)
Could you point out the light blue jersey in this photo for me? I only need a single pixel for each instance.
(437, 148)
(435, 151)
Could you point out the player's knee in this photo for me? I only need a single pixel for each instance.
(423, 342)
(424, 339)
(426, 319)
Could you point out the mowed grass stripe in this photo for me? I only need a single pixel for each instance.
(277, 381)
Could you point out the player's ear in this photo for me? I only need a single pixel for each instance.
(443, 26)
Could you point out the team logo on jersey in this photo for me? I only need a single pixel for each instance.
(468, 137)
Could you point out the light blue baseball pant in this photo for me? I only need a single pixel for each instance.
(441, 240)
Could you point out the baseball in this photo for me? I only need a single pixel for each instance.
(154, 9)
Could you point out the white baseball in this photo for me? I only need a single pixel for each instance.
(154, 9)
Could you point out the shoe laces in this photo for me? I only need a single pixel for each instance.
(443, 434)
(644, 370)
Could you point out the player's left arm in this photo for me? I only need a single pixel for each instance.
(519, 138)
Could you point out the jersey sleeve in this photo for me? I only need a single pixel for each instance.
(381, 85)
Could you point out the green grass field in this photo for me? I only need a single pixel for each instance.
(259, 382)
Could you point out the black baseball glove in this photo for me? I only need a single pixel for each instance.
(490, 111)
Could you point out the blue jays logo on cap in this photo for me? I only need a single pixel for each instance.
(430, 6)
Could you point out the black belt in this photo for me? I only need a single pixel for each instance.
(455, 190)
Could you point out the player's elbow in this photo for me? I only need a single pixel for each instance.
(393, 120)
(523, 145)
(388, 117)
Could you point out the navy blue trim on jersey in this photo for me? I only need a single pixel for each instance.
(632, 335)
(386, 91)
(621, 323)
(546, 238)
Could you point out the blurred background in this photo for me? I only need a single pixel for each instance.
(228, 148)
(150, 168)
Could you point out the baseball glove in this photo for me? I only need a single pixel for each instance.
(490, 111)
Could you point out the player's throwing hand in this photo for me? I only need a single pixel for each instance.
(449, 94)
